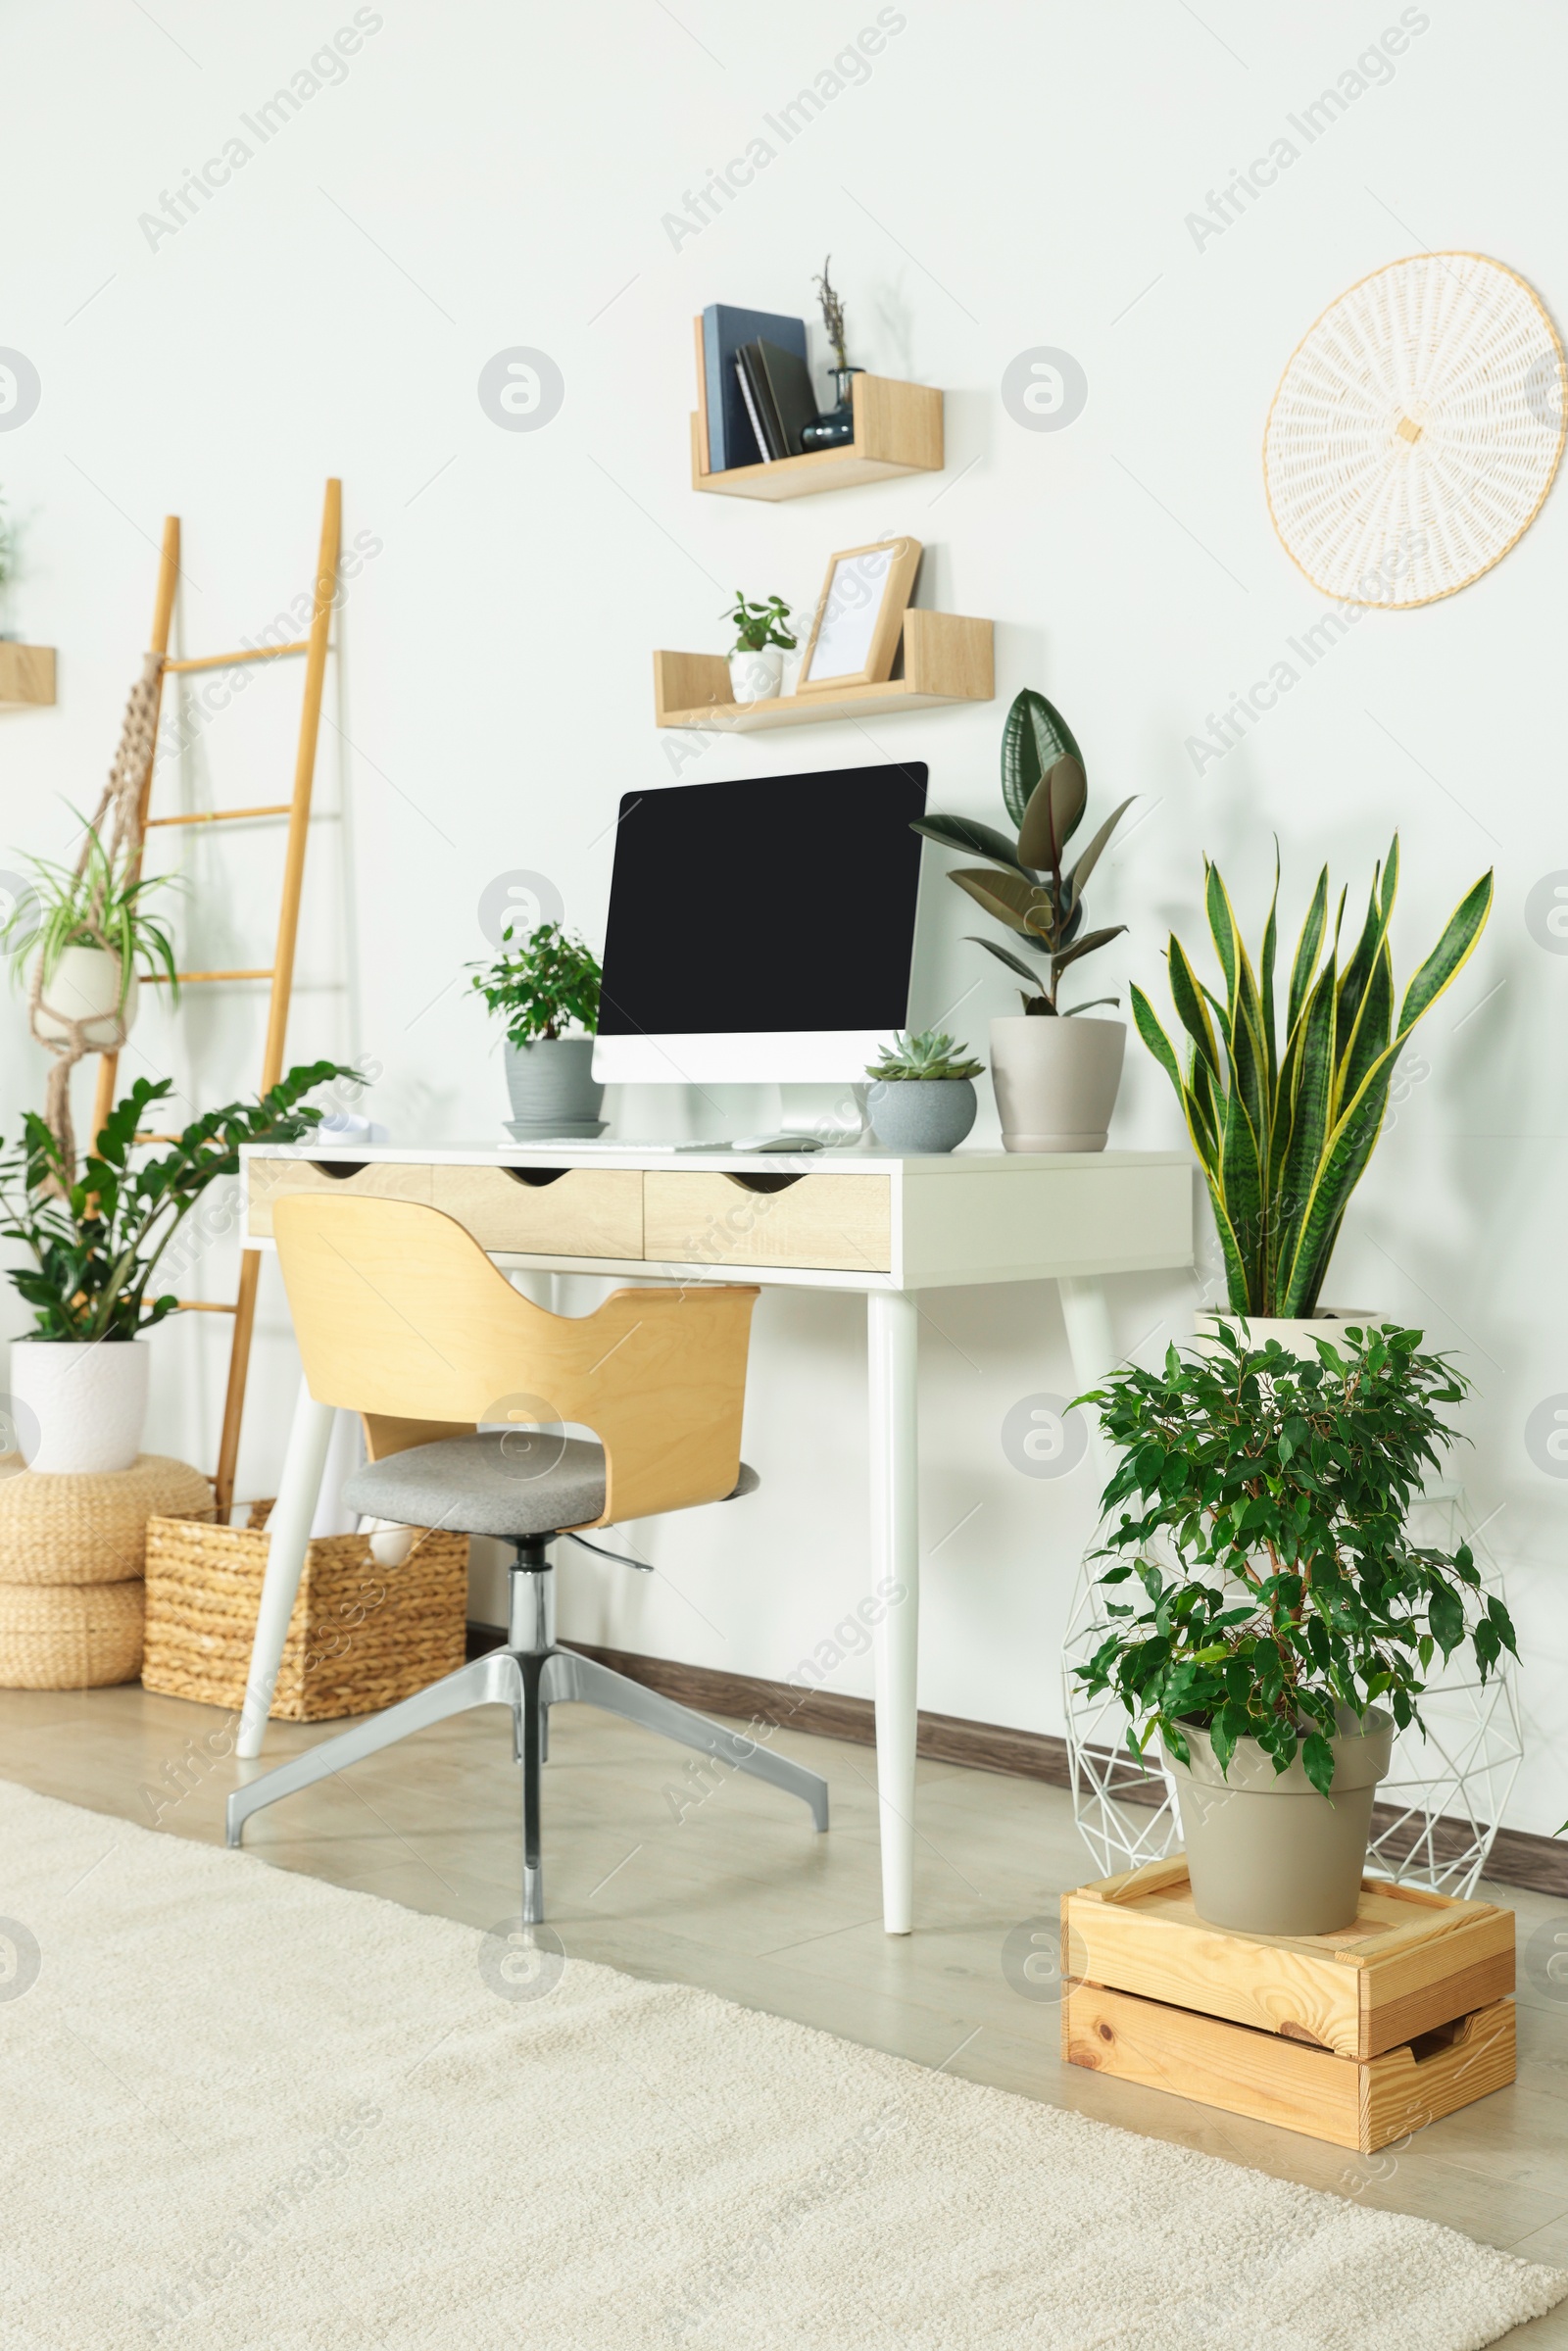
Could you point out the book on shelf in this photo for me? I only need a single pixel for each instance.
(731, 438)
(790, 394)
(760, 407)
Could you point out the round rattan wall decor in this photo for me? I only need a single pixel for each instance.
(1416, 430)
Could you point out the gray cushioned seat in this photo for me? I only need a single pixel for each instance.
(539, 1484)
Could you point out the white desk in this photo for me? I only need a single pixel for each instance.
(864, 1220)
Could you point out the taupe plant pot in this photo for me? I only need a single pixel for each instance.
(1055, 1080)
(1266, 1853)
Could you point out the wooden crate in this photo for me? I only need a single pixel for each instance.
(1358, 2036)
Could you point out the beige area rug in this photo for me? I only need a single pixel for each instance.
(245, 2111)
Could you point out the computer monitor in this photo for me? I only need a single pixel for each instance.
(760, 931)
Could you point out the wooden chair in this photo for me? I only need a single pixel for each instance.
(401, 1318)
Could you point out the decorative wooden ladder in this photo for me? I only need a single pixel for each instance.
(280, 971)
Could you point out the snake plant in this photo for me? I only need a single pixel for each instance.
(931, 1054)
(1284, 1131)
(1046, 792)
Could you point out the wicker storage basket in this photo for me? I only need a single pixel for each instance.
(360, 1636)
(77, 1528)
(70, 1635)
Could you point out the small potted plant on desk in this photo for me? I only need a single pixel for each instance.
(922, 1092)
(1288, 1624)
(94, 1242)
(1055, 1074)
(540, 989)
(761, 640)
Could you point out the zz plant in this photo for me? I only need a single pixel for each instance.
(1264, 1504)
(93, 1241)
(1284, 1125)
(1027, 886)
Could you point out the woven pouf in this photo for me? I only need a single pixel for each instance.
(70, 1635)
(71, 1548)
(83, 1528)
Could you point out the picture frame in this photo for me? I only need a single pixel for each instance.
(859, 616)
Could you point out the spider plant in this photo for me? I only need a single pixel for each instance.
(99, 903)
(1284, 1132)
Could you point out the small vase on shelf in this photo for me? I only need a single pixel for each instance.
(835, 427)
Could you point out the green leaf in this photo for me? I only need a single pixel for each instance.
(969, 836)
(1054, 811)
(1090, 857)
(1009, 896)
(1034, 737)
(1317, 1761)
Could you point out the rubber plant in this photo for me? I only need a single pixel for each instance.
(1027, 886)
(1264, 1504)
(94, 1240)
(1284, 1126)
(542, 985)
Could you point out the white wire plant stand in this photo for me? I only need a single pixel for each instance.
(1436, 1812)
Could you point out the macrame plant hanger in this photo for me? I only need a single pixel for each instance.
(118, 827)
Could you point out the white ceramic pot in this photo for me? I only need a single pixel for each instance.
(84, 985)
(1294, 1333)
(756, 676)
(790, 669)
(88, 1402)
(1055, 1080)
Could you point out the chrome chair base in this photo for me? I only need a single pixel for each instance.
(531, 1675)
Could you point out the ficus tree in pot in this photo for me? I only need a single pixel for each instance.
(1282, 1624)
(93, 1242)
(541, 988)
(1056, 1087)
(1285, 1119)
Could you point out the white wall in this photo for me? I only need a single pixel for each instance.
(1003, 178)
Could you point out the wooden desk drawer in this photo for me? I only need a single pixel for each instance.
(268, 1180)
(585, 1212)
(832, 1222)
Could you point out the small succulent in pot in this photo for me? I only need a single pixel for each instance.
(1026, 886)
(931, 1056)
(923, 1091)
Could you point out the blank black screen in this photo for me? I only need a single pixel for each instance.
(786, 901)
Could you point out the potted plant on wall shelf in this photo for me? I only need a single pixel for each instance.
(1054, 1073)
(94, 1242)
(1288, 1623)
(540, 989)
(922, 1092)
(78, 937)
(1284, 1126)
(761, 640)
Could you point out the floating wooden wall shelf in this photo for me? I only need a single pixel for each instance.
(26, 673)
(945, 657)
(898, 429)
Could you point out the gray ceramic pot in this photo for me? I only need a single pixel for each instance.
(551, 1081)
(921, 1114)
(1266, 1853)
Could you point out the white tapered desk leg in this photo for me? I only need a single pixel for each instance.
(1091, 1342)
(893, 1322)
(290, 1530)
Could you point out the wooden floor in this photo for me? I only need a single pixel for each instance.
(738, 1896)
